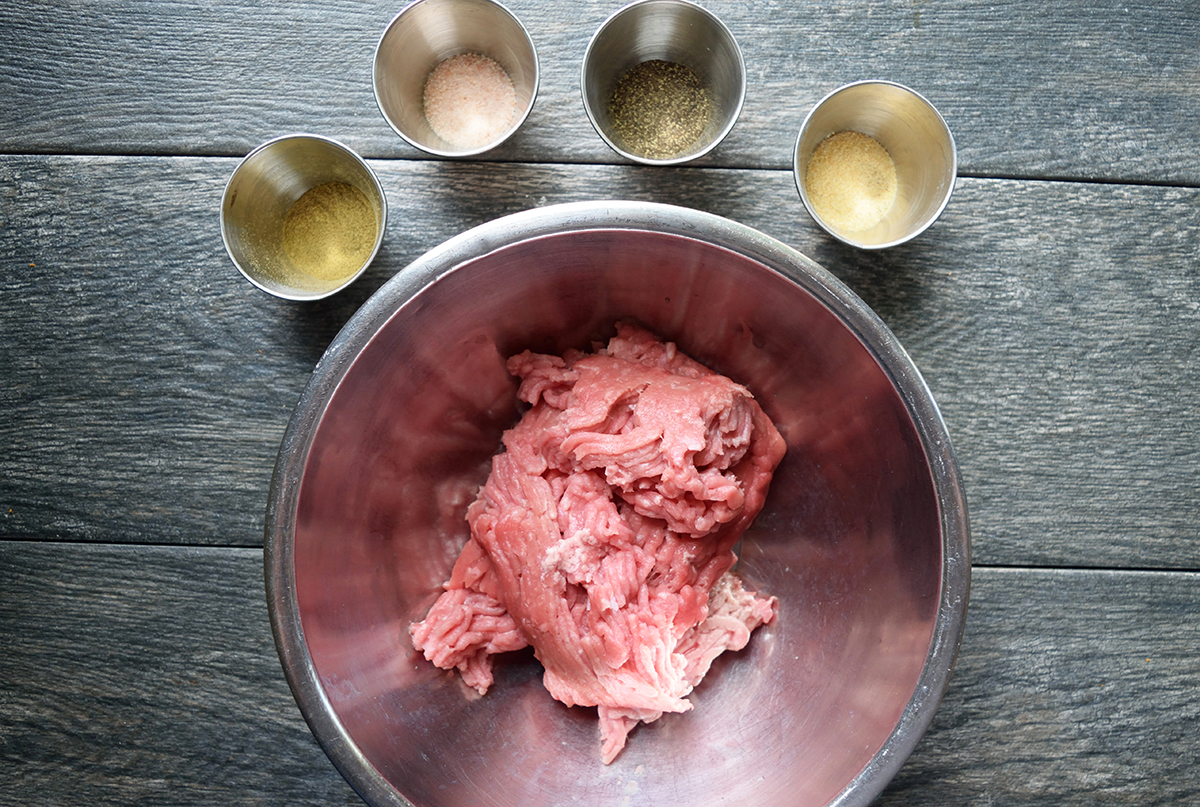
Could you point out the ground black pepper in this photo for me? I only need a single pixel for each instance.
(659, 110)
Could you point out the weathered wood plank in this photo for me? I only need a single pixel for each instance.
(148, 384)
(1069, 89)
(1068, 691)
(140, 675)
(147, 675)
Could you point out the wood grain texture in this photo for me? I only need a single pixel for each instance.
(1071, 688)
(140, 676)
(147, 675)
(1070, 89)
(1056, 323)
(147, 384)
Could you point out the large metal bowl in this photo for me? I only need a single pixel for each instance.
(864, 538)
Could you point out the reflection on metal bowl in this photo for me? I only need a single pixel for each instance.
(864, 538)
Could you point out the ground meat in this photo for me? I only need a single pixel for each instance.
(604, 535)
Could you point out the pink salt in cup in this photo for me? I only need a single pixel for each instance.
(455, 78)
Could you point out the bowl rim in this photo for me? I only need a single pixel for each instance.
(472, 244)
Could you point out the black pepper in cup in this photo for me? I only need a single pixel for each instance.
(660, 109)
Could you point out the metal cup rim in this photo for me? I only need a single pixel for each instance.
(720, 136)
(796, 167)
(354, 155)
(471, 152)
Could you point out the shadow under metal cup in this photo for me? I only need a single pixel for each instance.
(673, 31)
(260, 194)
(914, 135)
(428, 32)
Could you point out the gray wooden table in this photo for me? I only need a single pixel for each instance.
(1054, 310)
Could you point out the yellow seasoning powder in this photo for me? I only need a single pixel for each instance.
(329, 232)
(469, 100)
(851, 181)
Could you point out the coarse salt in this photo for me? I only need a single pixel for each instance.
(469, 100)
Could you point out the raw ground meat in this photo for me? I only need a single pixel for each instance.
(604, 535)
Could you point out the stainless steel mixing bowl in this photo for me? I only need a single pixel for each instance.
(864, 538)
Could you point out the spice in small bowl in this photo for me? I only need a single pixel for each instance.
(303, 216)
(875, 164)
(851, 181)
(455, 78)
(663, 81)
(660, 109)
(329, 233)
(469, 100)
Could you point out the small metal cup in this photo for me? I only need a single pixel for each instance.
(426, 33)
(674, 31)
(915, 136)
(263, 188)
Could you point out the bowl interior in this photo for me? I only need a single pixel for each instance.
(851, 539)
